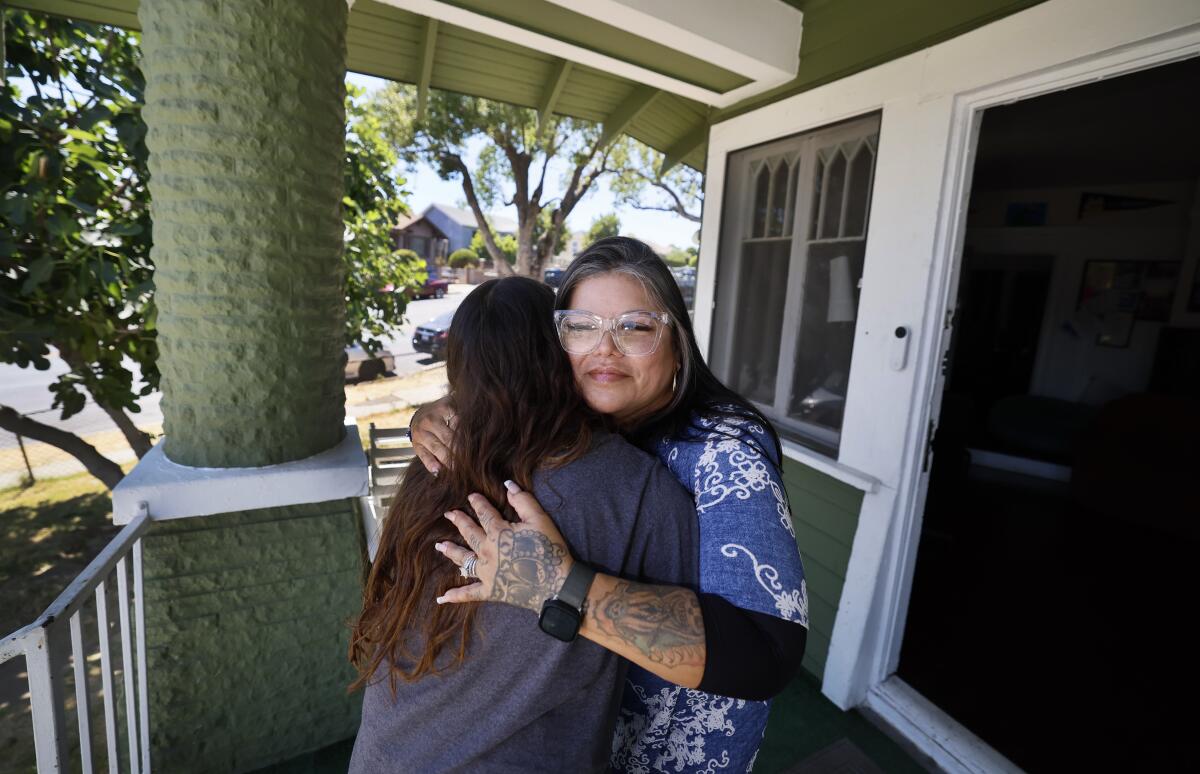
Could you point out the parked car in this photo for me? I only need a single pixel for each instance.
(363, 367)
(553, 277)
(431, 337)
(685, 278)
(433, 288)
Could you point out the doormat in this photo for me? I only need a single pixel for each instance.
(841, 757)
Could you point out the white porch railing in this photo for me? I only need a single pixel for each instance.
(58, 633)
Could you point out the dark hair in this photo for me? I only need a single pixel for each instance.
(514, 396)
(698, 392)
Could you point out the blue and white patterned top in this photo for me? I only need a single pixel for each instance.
(748, 555)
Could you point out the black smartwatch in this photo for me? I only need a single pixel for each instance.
(562, 615)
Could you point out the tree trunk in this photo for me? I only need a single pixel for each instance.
(489, 239)
(109, 472)
(525, 248)
(138, 441)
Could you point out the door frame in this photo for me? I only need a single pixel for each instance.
(931, 103)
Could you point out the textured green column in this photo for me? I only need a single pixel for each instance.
(244, 108)
(247, 636)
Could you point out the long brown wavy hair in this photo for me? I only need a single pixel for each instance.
(517, 409)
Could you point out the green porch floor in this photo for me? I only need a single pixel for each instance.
(803, 725)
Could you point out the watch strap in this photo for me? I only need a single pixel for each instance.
(574, 590)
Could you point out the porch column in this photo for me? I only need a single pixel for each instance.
(255, 559)
(244, 109)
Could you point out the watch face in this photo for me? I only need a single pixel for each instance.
(559, 620)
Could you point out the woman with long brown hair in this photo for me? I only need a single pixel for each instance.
(435, 698)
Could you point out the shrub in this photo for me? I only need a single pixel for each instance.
(462, 258)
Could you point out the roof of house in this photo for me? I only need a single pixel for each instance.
(467, 218)
(462, 217)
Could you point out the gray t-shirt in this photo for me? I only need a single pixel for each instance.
(524, 701)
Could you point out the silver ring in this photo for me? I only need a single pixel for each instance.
(468, 567)
(448, 418)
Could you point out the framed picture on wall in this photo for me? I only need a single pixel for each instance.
(1160, 279)
(1117, 294)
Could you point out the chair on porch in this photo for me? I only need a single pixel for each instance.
(389, 453)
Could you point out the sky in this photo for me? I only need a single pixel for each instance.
(660, 227)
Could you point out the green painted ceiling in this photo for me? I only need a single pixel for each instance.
(840, 37)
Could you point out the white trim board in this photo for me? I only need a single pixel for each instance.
(817, 461)
(931, 102)
(174, 491)
(947, 743)
(1023, 465)
(715, 27)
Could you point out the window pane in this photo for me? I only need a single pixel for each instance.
(831, 218)
(797, 261)
(818, 187)
(860, 192)
(761, 190)
(827, 318)
(778, 200)
(758, 318)
(790, 214)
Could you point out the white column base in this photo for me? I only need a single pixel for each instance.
(174, 491)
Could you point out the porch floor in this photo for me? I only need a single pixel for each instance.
(806, 733)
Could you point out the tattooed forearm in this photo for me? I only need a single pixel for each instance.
(530, 568)
(662, 622)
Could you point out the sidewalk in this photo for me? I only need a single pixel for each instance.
(387, 401)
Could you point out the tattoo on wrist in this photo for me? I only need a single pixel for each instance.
(529, 568)
(664, 623)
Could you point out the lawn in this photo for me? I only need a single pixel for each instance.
(52, 530)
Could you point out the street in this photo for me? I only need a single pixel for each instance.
(27, 390)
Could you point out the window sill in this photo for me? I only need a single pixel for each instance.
(830, 467)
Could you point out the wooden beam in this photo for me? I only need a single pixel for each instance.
(553, 91)
(683, 147)
(428, 46)
(625, 113)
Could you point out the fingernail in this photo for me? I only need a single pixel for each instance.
(440, 600)
(449, 515)
(440, 547)
(511, 486)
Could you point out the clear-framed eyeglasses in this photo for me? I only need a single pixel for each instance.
(634, 333)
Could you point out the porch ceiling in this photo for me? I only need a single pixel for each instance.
(557, 56)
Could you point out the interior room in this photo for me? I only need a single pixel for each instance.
(1053, 589)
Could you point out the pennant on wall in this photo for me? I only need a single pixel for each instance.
(1102, 202)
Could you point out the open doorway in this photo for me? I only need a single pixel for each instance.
(1053, 591)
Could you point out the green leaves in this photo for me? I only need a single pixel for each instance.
(74, 209)
(38, 272)
(604, 226)
(373, 202)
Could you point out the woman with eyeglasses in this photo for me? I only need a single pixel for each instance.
(705, 664)
(458, 688)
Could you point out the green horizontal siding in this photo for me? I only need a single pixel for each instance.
(825, 516)
(246, 635)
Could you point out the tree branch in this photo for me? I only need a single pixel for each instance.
(138, 440)
(455, 162)
(109, 472)
(679, 207)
